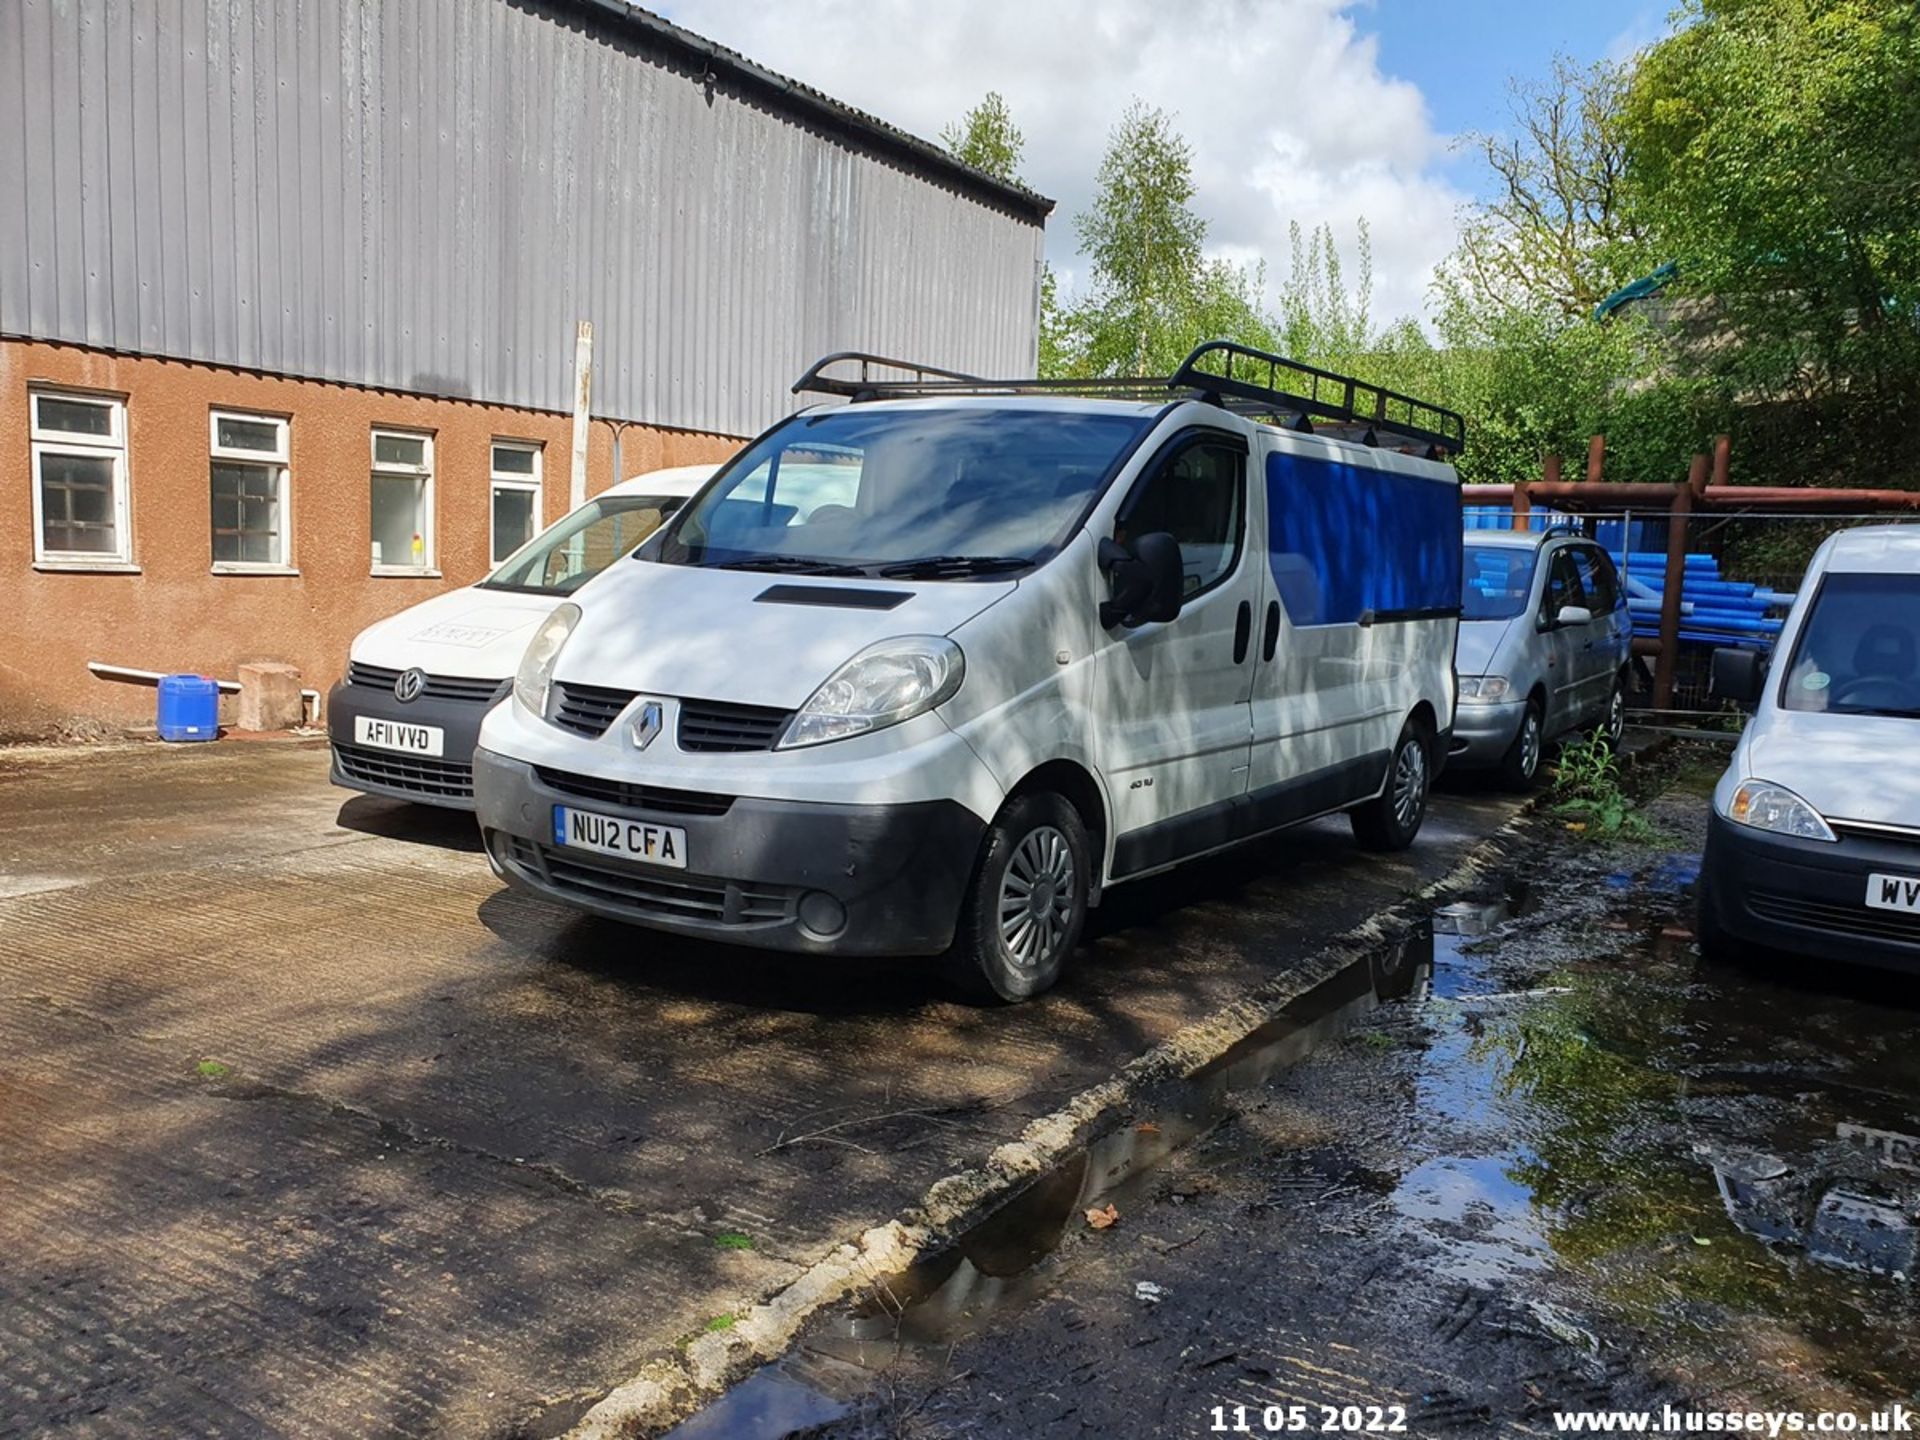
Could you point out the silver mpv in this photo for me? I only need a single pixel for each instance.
(1544, 643)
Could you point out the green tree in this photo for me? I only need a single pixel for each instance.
(1771, 147)
(987, 139)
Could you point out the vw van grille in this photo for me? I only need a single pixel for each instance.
(412, 774)
(656, 798)
(713, 725)
(588, 709)
(1828, 915)
(438, 687)
(646, 895)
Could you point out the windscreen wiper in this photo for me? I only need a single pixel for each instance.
(786, 564)
(940, 567)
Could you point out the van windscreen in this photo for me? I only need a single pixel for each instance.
(910, 493)
(1859, 648)
(560, 560)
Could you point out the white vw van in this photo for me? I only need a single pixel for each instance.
(1000, 649)
(404, 720)
(1813, 845)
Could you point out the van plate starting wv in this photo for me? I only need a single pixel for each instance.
(622, 838)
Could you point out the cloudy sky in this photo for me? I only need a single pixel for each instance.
(1311, 110)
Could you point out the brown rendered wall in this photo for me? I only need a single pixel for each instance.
(177, 615)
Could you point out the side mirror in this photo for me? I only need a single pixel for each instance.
(1148, 580)
(1572, 615)
(1739, 676)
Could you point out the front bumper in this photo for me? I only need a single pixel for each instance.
(1808, 896)
(445, 779)
(824, 879)
(1483, 733)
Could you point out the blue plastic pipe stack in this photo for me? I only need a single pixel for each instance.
(1713, 610)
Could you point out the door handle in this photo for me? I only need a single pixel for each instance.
(1242, 631)
(1272, 637)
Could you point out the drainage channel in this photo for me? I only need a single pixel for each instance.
(999, 1262)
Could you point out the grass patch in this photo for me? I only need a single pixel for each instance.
(733, 1240)
(212, 1070)
(719, 1323)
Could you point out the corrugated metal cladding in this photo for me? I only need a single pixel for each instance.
(428, 194)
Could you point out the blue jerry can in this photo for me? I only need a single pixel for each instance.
(189, 707)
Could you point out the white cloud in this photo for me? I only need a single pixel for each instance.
(1283, 101)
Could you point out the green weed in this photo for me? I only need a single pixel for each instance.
(1587, 794)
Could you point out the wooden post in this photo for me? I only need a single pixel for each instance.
(1722, 461)
(1596, 459)
(1677, 517)
(1523, 501)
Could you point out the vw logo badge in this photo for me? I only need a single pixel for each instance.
(409, 685)
(647, 724)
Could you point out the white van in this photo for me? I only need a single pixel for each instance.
(1813, 845)
(403, 721)
(1002, 649)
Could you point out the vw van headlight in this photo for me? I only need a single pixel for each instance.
(884, 684)
(1484, 689)
(1767, 806)
(534, 678)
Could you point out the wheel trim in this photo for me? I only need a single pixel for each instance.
(1409, 782)
(1036, 897)
(1616, 715)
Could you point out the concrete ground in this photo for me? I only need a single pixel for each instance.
(310, 1128)
(1568, 1166)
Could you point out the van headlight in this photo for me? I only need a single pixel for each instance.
(1484, 689)
(884, 684)
(534, 678)
(1767, 806)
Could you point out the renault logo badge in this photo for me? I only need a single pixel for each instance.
(648, 723)
(408, 687)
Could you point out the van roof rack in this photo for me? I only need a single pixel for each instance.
(1235, 377)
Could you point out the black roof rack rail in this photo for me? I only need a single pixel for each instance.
(1289, 392)
(1289, 386)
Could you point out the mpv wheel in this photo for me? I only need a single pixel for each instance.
(1028, 902)
(1520, 766)
(1613, 720)
(1391, 819)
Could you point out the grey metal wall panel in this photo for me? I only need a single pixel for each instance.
(427, 195)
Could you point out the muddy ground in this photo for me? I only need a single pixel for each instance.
(308, 1127)
(1541, 1160)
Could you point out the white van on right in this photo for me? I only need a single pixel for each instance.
(1814, 842)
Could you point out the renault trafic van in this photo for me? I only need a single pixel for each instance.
(403, 721)
(1813, 845)
(1002, 648)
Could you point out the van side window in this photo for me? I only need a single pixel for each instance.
(1198, 496)
(1597, 579)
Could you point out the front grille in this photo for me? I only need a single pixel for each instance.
(1862, 830)
(1831, 915)
(715, 726)
(647, 895)
(588, 709)
(414, 774)
(438, 687)
(656, 798)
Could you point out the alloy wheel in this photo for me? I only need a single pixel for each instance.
(1409, 782)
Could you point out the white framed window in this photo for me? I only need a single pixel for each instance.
(78, 444)
(514, 480)
(402, 503)
(249, 489)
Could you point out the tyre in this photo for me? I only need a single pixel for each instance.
(1392, 818)
(1520, 766)
(1027, 904)
(1613, 719)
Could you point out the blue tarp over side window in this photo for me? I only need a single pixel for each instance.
(1345, 539)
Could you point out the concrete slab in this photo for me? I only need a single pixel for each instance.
(313, 1129)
